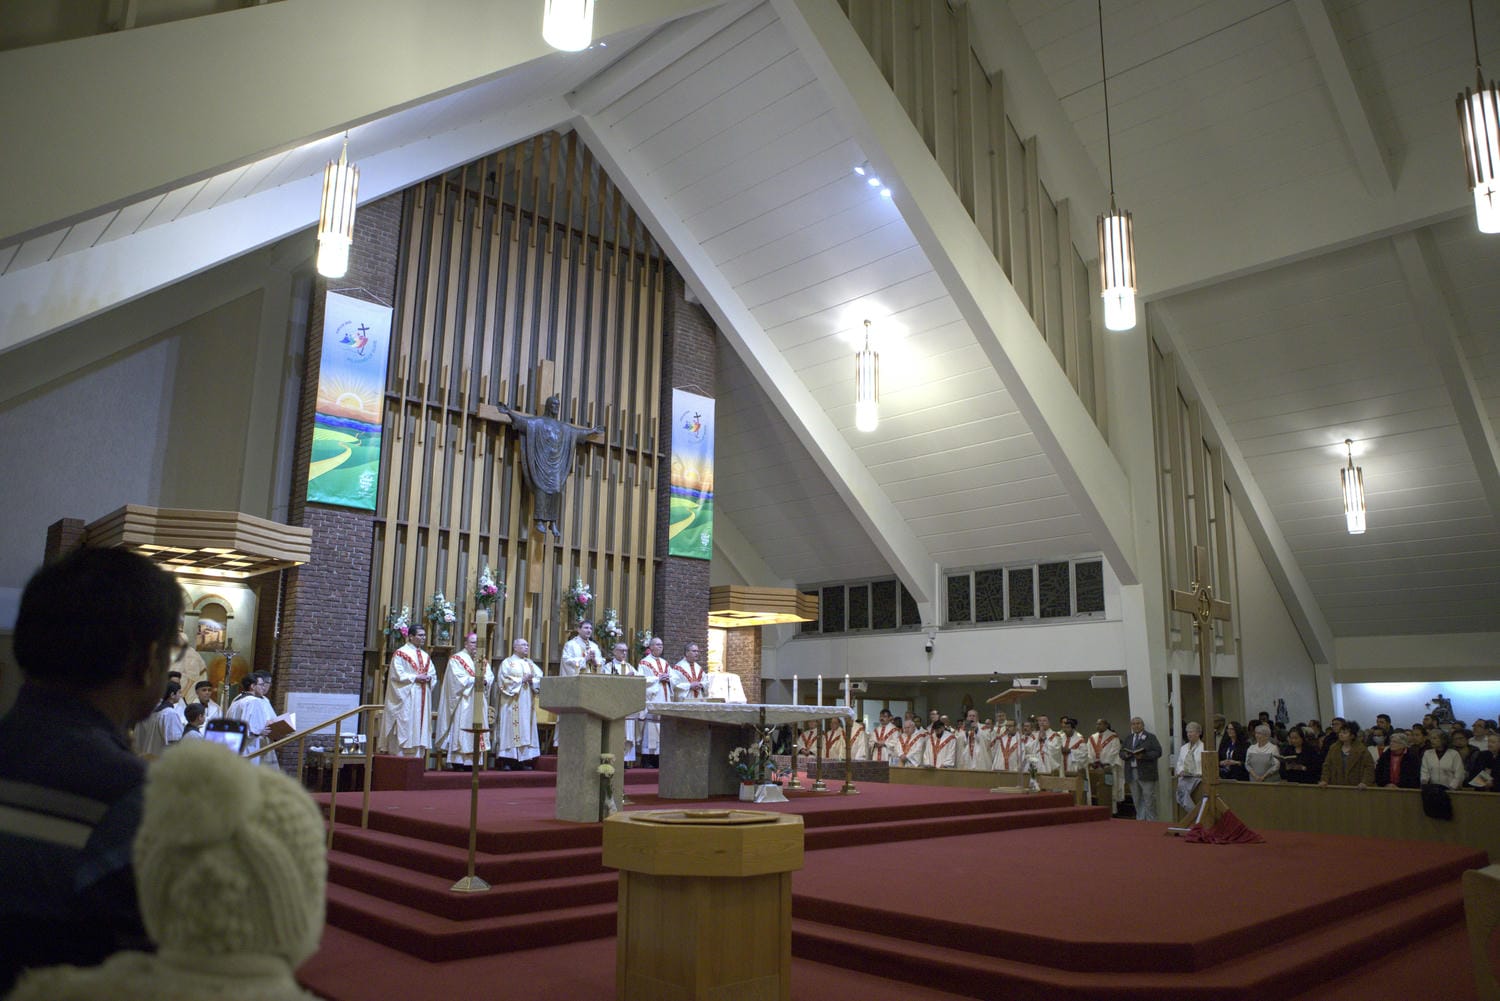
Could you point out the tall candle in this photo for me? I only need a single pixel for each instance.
(794, 689)
(848, 694)
(481, 718)
(820, 689)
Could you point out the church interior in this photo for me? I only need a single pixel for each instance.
(1010, 423)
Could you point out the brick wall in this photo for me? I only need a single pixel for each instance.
(689, 361)
(742, 657)
(324, 603)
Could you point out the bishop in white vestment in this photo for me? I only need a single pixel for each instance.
(515, 724)
(462, 683)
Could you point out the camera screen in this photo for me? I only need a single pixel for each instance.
(231, 739)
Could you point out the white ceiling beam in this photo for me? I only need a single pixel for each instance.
(654, 55)
(1442, 328)
(825, 443)
(46, 297)
(113, 118)
(1296, 593)
(989, 304)
(741, 554)
(1349, 104)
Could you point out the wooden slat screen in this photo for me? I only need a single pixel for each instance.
(521, 274)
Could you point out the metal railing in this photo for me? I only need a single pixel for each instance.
(301, 737)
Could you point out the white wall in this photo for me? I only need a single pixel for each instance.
(1406, 701)
(1273, 661)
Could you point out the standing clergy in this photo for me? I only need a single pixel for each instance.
(463, 682)
(619, 661)
(942, 746)
(972, 749)
(1005, 749)
(689, 678)
(911, 746)
(406, 729)
(256, 711)
(581, 655)
(859, 739)
(658, 674)
(1072, 747)
(1104, 760)
(516, 741)
(1049, 747)
(883, 737)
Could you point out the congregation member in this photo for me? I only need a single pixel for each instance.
(231, 873)
(1072, 747)
(883, 736)
(519, 682)
(1232, 747)
(1441, 764)
(1104, 767)
(94, 637)
(163, 727)
(463, 682)
(1458, 741)
(256, 712)
(911, 746)
(1262, 760)
(1398, 766)
(1301, 761)
(1416, 736)
(689, 678)
(1189, 768)
(1005, 750)
(972, 750)
(581, 655)
(192, 729)
(1346, 763)
(1048, 747)
(1484, 767)
(406, 727)
(1330, 738)
(1139, 753)
(1375, 742)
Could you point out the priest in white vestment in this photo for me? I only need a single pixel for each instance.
(519, 683)
(883, 736)
(973, 750)
(1031, 748)
(942, 746)
(910, 750)
(859, 740)
(1072, 748)
(1049, 747)
(689, 677)
(1104, 759)
(257, 712)
(581, 655)
(619, 664)
(406, 727)
(1006, 751)
(468, 677)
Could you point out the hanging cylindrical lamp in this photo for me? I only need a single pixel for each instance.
(867, 386)
(1479, 128)
(1116, 231)
(336, 221)
(1352, 478)
(568, 24)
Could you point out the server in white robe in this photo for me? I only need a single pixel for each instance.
(163, 727)
(468, 677)
(203, 694)
(973, 749)
(581, 655)
(658, 674)
(406, 727)
(1105, 761)
(519, 681)
(689, 677)
(257, 712)
(1072, 748)
(910, 750)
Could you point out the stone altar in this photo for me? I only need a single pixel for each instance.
(591, 712)
(696, 738)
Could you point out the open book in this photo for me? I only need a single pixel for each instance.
(282, 726)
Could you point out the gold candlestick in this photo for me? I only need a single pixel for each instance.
(793, 783)
(472, 883)
(818, 784)
(849, 789)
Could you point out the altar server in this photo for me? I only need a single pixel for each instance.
(910, 747)
(883, 737)
(581, 655)
(1072, 748)
(163, 727)
(689, 678)
(468, 677)
(256, 711)
(973, 750)
(203, 694)
(1104, 760)
(405, 728)
(516, 742)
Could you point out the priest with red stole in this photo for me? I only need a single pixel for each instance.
(1005, 750)
(1104, 760)
(1072, 747)
(942, 746)
(883, 737)
(463, 682)
(910, 746)
(406, 728)
(689, 678)
(972, 750)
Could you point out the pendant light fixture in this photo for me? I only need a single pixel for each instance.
(1352, 478)
(568, 24)
(1479, 128)
(336, 220)
(867, 386)
(1116, 232)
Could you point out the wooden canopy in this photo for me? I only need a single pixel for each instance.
(224, 544)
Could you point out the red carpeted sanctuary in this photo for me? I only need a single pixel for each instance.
(947, 892)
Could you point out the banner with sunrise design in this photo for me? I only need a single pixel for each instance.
(345, 464)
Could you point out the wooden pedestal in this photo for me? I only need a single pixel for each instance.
(705, 910)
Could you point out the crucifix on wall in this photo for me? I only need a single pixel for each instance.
(1200, 603)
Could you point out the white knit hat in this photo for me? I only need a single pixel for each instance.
(229, 857)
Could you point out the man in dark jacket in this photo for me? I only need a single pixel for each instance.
(1140, 751)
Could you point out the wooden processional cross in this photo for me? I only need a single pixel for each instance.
(1201, 604)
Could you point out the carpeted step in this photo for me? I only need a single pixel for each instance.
(848, 810)
(1318, 954)
(554, 834)
(944, 826)
(539, 778)
(439, 939)
(450, 862)
(434, 895)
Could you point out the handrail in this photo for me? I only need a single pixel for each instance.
(301, 737)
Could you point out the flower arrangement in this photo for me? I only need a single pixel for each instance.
(440, 610)
(1032, 785)
(610, 631)
(398, 624)
(487, 591)
(750, 764)
(606, 772)
(643, 640)
(578, 600)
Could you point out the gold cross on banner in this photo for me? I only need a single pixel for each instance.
(1201, 604)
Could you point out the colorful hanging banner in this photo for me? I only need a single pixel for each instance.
(345, 464)
(692, 495)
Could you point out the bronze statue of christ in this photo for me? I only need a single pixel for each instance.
(547, 445)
